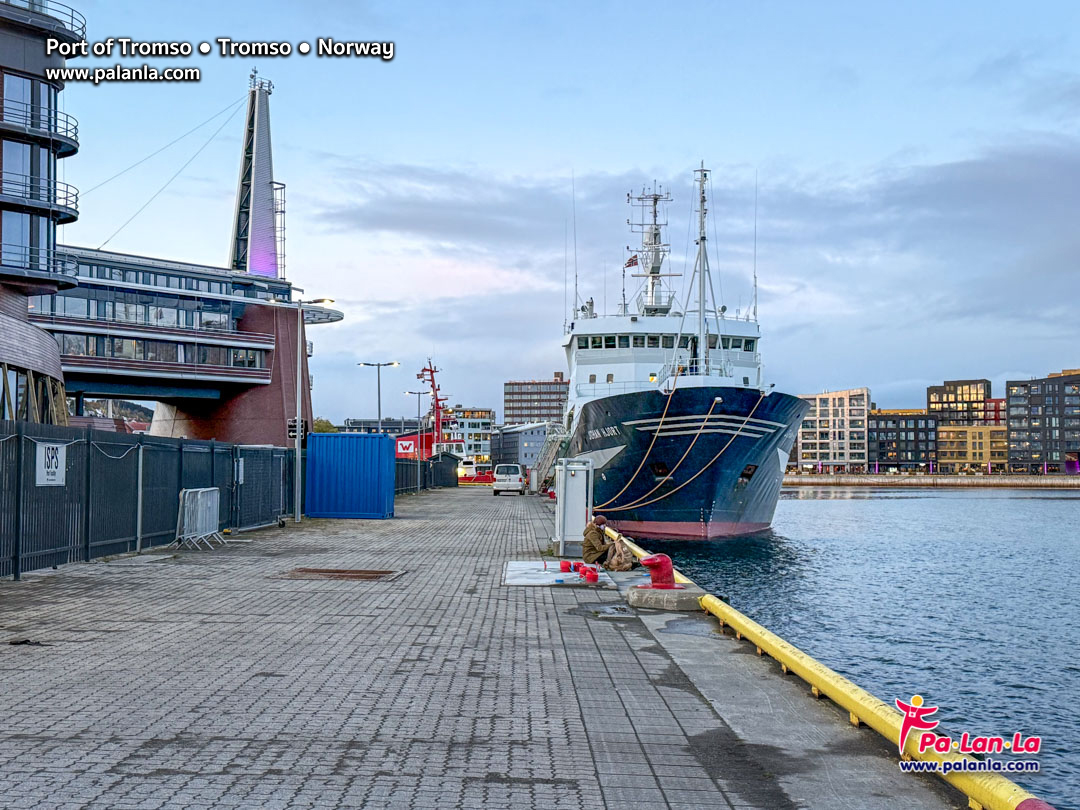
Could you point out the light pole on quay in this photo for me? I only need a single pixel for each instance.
(417, 394)
(378, 383)
(297, 476)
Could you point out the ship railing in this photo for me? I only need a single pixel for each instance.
(658, 301)
(607, 389)
(730, 363)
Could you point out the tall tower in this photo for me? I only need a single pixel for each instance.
(34, 134)
(258, 238)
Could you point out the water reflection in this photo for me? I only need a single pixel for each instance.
(965, 596)
(770, 557)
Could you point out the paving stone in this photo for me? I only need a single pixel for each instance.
(209, 681)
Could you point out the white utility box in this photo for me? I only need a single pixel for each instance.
(573, 504)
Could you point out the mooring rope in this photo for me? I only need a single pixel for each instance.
(663, 416)
(699, 472)
(701, 428)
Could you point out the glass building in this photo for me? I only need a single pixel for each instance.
(1044, 424)
(34, 135)
(153, 329)
(902, 440)
(958, 402)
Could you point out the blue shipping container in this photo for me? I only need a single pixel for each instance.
(350, 475)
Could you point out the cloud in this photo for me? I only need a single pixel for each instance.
(893, 278)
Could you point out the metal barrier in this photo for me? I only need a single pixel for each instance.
(984, 790)
(74, 494)
(197, 518)
(405, 473)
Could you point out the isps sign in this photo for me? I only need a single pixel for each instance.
(51, 467)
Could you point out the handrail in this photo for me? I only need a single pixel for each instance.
(41, 189)
(38, 259)
(35, 116)
(196, 331)
(986, 790)
(64, 14)
(135, 364)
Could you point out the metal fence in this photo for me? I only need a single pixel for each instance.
(439, 471)
(70, 494)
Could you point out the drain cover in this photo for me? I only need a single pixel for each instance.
(363, 574)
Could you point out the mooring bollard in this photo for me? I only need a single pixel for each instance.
(661, 573)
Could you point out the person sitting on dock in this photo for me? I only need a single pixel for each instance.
(596, 547)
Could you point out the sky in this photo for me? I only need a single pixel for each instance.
(917, 167)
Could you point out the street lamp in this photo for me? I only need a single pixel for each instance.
(297, 475)
(378, 383)
(417, 394)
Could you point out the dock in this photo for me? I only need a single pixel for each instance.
(229, 678)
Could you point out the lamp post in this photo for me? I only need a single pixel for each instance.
(378, 384)
(417, 394)
(297, 475)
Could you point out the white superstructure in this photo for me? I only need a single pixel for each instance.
(658, 346)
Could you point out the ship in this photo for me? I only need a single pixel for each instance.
(687, 440)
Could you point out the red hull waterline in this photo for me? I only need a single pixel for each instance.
(679, 530)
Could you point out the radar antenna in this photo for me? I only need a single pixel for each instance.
(650, 258)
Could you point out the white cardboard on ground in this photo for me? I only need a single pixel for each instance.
(531, 572)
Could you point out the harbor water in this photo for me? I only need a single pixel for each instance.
(967, 597)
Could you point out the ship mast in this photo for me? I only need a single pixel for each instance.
(653, 249)
(701, 268)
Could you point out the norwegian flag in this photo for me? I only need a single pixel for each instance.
(631, 262)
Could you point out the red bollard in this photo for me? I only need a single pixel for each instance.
(661, 573)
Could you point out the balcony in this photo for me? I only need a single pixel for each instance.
(39, 194)
(155, 369)
(189, 334)
(40, 270)
(57, 19)
(35, 121)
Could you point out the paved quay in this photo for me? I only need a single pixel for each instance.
(211, 680)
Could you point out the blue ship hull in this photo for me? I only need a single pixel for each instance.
(691, 473)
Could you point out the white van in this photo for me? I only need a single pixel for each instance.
(509, 478)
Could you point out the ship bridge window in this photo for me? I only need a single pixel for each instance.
(748, 345)
(725, 342)
(669, 341)
(712, 341)
(611, 378)
(592, 378)
(736, 344)
(624, 341)
(639, 341)
(654, 341)
(582, 342)
(597, 342)
(609, 341)
(684, 342)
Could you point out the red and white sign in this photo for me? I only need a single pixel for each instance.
(406, 446)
